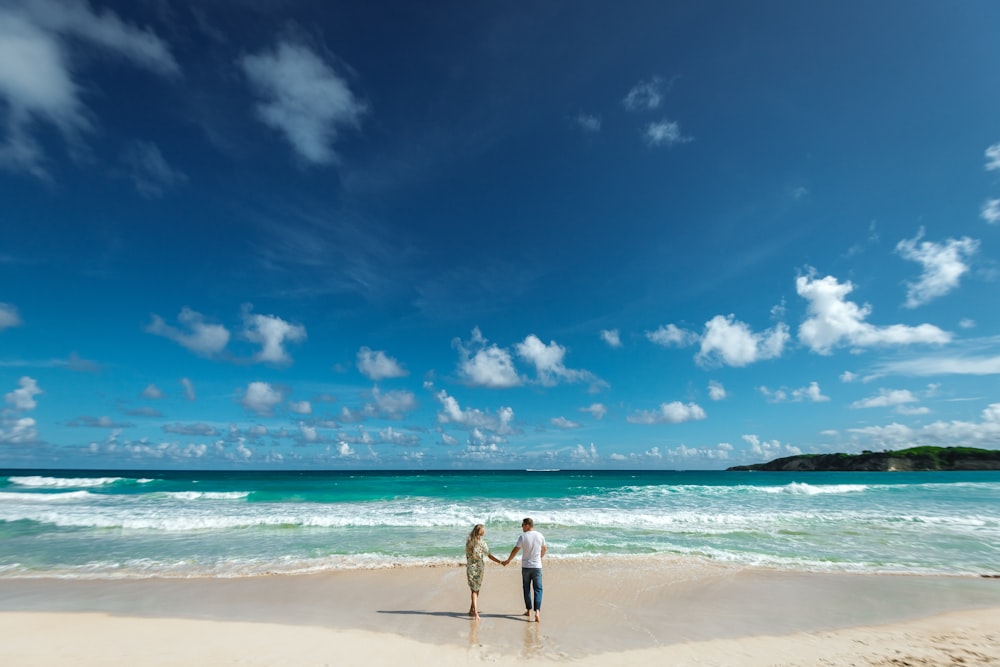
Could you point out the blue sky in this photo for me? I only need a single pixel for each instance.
(548, 235)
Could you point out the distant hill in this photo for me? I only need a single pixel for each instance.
(915, 458)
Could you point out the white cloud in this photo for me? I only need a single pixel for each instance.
(583, 454)
(811, 393)
(991, 211)
(9, 316)
(847, 377)
(645, 95)
(562, 422)
(188, 389)
(261, 398)
(300, 407)
(393, 404)
(730, 342)
(37, 79)
(452, 413)
(204, 339)
(480, 365)
(665, 133)
(943, 266)
(152, 392)
(22, 399)
(376, 365)
(272, 334)
(588, 122)
(886, 398)
(308, 432)
(669, 413)
(548, 362)
(671, 334)
(596, 410)
(833, 321)
(344, 449)
(18, 431)
(303, 98)
(769, 449)
(716, 391)
(684, 453)
(609, 336)
(984, 433)
(993, 157)
(967, 323)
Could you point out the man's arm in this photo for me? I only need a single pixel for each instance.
(544, 549)
(513, 552)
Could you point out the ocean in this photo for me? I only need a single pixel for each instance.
(114, 524)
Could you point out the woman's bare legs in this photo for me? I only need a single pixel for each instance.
(474, 609)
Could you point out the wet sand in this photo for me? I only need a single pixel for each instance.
(615, 612)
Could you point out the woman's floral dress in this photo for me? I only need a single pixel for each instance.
(475, 566)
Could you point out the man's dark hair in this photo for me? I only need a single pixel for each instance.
(528, 522)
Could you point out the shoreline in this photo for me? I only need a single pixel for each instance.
(597, 611)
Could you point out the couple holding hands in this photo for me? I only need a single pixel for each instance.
(533, 544)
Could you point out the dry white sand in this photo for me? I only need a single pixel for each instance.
(676, 612)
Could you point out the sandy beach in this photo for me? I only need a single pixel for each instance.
(679, 612)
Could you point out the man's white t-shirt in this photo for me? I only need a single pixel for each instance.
(531, 543)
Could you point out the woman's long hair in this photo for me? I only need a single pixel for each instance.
(474, 537)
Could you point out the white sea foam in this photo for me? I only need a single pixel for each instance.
(63, 482)
(68, 496)
(805, 489)
(207, 495)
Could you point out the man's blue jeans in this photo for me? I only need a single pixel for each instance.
(531, 577)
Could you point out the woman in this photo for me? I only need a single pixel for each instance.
(475, 549)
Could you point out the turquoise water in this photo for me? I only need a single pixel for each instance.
(105, 524)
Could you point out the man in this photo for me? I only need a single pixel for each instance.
(534, 547)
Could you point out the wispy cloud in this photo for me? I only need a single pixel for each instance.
(589, 123)
(149, 170)
(303, 98)
(39, 71)
(991, 211)
(671, 335)
(664, 133)
(886, 398)
(646, 95)
(9, 317)
(993, 157)
(611, 337)
(811, 393)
